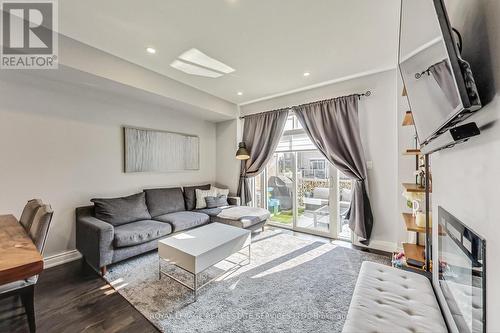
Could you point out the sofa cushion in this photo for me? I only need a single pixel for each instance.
(140, 232)
(220, 191)
(190, 195)
(388, 299)
(242, 216)
(210, 211)
(218, 201)
(117, 211)
(184, 220)
(201, 195)
(164, 200)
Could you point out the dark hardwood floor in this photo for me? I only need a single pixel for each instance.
(73, 298)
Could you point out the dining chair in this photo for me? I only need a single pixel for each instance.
(29, 212)
(38, 232)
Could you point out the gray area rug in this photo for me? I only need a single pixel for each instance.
(291, 285)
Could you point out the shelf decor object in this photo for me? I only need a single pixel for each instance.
(408, 119)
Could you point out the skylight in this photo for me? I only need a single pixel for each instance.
(195, 62)
(193, 69)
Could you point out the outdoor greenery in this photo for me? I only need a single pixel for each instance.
(286, 217)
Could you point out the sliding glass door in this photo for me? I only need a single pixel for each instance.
(301, 189)
(280, 188)
(316, 196)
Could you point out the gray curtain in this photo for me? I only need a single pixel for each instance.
(442, 74)
(333, 126)
(261, 134)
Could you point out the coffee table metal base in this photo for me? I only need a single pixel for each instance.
(195, 288)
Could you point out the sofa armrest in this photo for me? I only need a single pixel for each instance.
(234, 201)
(94, 238)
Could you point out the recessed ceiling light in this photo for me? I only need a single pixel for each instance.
(150, 50)
(240, 93)
(307, 73)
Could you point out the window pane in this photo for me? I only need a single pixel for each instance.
(295, 141)
(280, 188)
(289, 125)
(313, 191)
(258, 191)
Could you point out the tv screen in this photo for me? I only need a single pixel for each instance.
(439, 84)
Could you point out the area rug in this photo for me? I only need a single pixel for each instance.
(292, 284)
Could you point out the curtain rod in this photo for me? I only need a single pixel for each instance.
(366, 94)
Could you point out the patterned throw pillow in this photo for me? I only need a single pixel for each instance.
(201, 195)
(220, 191)
(218, 201)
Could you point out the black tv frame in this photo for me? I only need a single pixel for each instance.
(455, 59)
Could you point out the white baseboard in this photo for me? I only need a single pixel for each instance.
(61, 258)
(383, 246)
(378, 245)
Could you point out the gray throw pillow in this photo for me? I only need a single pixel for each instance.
(162, 201)
(190, 195)
(117, 211)
(214, 202)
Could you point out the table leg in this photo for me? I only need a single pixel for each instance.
(159, 268)
(195, 287)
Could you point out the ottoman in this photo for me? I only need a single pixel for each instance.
(245, 217)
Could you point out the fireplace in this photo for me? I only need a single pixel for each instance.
(462, 274)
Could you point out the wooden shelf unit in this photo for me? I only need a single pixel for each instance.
(416, 188)
(412, 152)
(414, 254)
(410, 223)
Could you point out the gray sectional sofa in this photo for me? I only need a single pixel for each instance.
(115, 229)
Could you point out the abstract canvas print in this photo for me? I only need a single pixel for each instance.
(160, 151)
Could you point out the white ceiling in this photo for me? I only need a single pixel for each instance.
(270, 43)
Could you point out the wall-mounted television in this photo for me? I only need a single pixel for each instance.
(439, 84)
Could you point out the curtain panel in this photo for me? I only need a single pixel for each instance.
(333, 126)
(261, 134)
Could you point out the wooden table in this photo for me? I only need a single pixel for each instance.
(19, 257)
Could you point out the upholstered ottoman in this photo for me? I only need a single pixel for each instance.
(387, 300)
(251, 218)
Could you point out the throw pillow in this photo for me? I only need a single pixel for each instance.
(220, 191)
(190, 195)
(201, 195)
(162, 201)
(218, 201)
(123, 210)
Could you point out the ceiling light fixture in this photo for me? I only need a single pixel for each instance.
(150, 50)
(240, 93)
(307, 74)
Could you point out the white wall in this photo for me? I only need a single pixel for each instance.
(467, 177)
(228, 167)
(378, 121)
(63, 143)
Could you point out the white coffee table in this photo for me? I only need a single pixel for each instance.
(197, 249)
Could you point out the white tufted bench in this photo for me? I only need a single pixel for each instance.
(387, 299)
